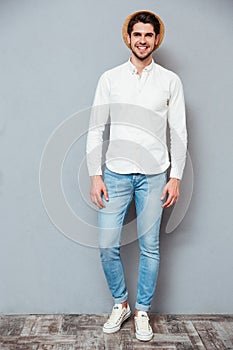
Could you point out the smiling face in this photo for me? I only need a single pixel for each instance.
(143, 40)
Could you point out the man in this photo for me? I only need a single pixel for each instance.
(141, 98)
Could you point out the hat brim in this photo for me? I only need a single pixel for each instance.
(126, 23)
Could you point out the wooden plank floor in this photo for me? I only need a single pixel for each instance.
(72, 332)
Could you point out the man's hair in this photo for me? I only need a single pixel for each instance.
(144, 17)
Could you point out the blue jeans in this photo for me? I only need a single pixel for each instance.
(147, 191)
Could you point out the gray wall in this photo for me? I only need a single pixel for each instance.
(52, 53)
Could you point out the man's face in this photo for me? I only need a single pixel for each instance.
(143, 40)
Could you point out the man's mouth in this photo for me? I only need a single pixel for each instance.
(142, 48)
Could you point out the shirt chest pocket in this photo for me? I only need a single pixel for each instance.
(161, 101)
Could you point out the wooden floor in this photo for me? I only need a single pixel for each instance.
(71, 332)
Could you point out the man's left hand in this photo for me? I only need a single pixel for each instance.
(172, 188)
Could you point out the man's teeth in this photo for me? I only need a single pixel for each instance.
(142, 47)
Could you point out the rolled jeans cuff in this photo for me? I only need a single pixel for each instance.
(141, 307)
(121, 299)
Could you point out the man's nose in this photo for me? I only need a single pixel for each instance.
(143, 39)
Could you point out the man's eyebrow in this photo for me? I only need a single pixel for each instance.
(150, 33)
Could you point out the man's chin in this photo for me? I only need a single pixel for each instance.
(142, 57)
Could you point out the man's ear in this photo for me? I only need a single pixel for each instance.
(128, 39)
(157, 39)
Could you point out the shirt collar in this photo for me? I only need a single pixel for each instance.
(133, 69)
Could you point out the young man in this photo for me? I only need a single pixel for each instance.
(141, 98)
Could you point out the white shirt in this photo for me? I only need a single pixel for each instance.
(139, 108)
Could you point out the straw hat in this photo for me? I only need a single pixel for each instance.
(126, 23)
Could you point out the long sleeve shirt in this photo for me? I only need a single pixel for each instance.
(139, 110)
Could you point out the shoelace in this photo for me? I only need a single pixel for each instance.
(143, 322)
(115, 315)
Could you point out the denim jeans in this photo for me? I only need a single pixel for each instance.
(147, 191)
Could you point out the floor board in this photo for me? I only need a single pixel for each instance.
(74, 332)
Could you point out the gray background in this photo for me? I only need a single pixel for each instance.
(52, 54)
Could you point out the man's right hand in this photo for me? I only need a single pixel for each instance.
(97, 187)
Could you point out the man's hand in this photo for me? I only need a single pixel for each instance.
(97, 187)
(172, 187)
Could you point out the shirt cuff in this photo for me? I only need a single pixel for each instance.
(93, 172)
(175, 174)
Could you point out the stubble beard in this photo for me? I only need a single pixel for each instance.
(141, 58)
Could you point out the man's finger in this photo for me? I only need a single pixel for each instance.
(94, 199)
(168, 201)
(171, 202)
(164, 193)
(105, 193)
(99, 201)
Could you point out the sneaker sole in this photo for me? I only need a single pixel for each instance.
(144, 337)
(117, 328)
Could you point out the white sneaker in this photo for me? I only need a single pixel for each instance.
(117, 317)
(143, 329)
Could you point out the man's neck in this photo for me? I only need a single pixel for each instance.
(140, 65)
